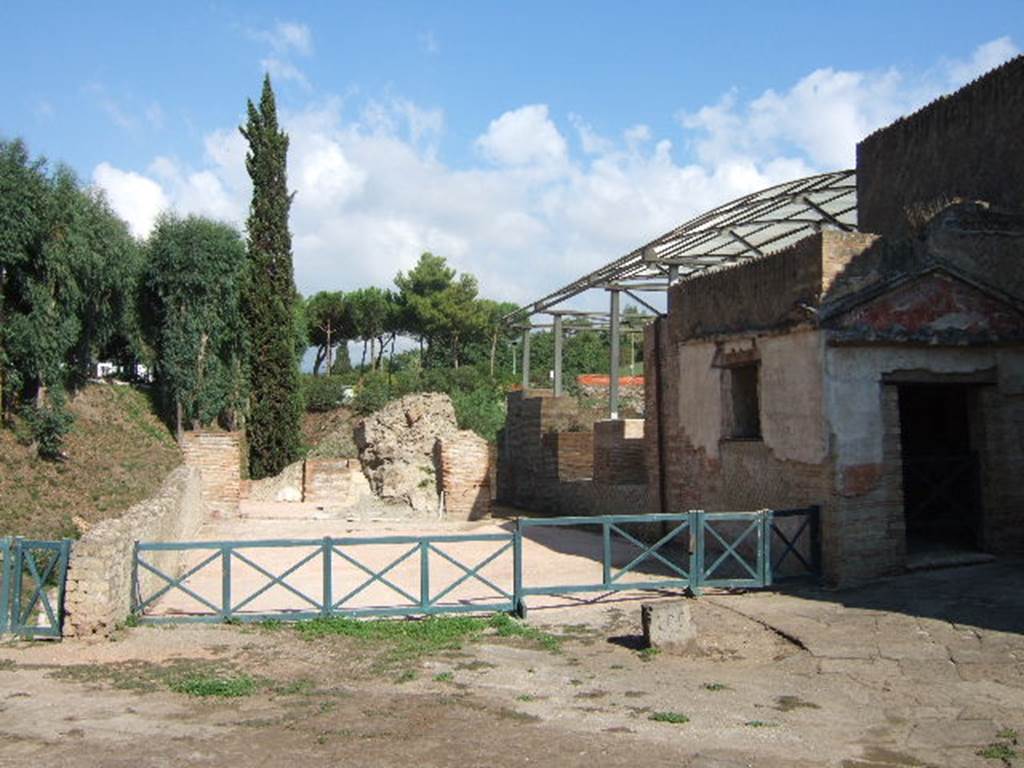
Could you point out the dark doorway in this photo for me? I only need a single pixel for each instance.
(940, 471)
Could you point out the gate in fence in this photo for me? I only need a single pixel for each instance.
(417, 575)
(32, 578)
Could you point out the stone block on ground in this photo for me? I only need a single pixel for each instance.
(668, 626)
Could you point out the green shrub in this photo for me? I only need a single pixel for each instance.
(48, 425)
(372, 394)
(481, 410)
(322, 393)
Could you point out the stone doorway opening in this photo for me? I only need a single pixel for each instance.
(941, 495)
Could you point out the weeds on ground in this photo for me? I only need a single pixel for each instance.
(760, 724)
(223, 686)
(444, 677)
(1003, 750)
(526, 697)
(676, 718)
(407, 676)
(505, 626)
(648, 653)
(715, 687)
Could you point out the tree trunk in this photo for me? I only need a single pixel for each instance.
(362, 363)
(494, 349)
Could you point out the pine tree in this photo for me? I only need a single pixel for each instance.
(270, 296)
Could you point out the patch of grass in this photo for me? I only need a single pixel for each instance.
(1009, 734)
(505, 626)
(526, 697)
(302, 687)
(715, 687)
(222, 686)
(789, 703)
(676, 718)
(444, 677)
(760, 724)
(399, 642)
(999, 750)
(407, 676)
(649, 653)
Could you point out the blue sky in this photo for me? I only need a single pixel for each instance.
(528, 142)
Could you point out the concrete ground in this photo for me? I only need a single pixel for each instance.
(550, 556)
(922, 670)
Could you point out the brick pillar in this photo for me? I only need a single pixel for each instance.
(218, 457)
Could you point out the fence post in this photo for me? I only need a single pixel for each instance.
(6, 574)
(767, 523)
(327, 597)
(425, 575)
(606, 553)
(696, 550)
(815, 513)
(225, 581)
(518, 602)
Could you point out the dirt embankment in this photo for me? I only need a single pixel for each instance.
(118, 454)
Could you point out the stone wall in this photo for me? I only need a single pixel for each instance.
(464, 460)
(218, 456)
(284, 486)
(618, 456)
(571, 454)
(334, 481)
(99, 583)
(969, 144)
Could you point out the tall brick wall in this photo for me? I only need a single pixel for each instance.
(767, 292)
(99, 583)
(969, 144)
(464, 461)
(619, 452)
(571, 454)
(218, 457)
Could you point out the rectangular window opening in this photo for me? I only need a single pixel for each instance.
(745, 406)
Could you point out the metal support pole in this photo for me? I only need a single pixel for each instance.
(425, 576)
(558, 355)
(225, 582)
(327, 597)
(526, 359)
(613, 379)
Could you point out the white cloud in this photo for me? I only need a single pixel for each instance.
(279, 70)
(523, 136)
(286, 37)
(984, 58)
(372, 193)
(136, 198)
(428, 42)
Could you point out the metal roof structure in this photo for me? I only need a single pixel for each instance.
(751, 226)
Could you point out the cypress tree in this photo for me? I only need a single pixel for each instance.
(270, 296)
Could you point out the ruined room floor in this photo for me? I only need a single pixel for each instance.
(926, 669)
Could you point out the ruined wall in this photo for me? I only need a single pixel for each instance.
(969, 144)
(767, 292)
(464, 461)
(528, 463)
(864, 419)
(339, 482)
(99, 583)
(618, 452)
(218, 456)
(570, 454)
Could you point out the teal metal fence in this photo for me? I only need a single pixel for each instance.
(32, 580)
(221, 601)
(687, 551)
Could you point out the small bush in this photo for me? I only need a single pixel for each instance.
(372, 394)
(48, 425)
(322, 393)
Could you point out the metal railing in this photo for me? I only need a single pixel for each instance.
(685, 551)
(32, 580)
(325, 554)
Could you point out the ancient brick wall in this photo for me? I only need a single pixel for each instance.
(337, 481)
(99, 583)
(218, 457)
(969, 144)
(619, 452)
(571, 454)
(464, 461)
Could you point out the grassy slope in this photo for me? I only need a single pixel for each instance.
(119, 453)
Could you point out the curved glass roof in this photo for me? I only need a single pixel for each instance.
(751, 226)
